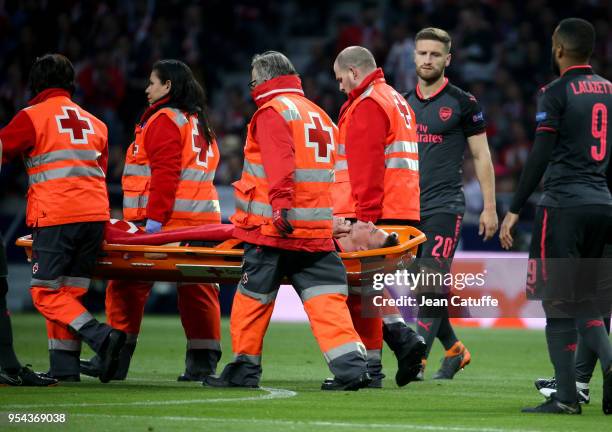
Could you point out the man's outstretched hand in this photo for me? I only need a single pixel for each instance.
(487, 226)
(505, 233)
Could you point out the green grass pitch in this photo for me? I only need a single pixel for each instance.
(486, 397)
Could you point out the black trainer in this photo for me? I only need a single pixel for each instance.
(606, 401)
(235, 374)
(7, 379)
(374, 384)
(35, 379)
(61, 378)
(409, 366)
(90, 367)
(26, 377)
(336, 385)
(553, 406)
(455, 359)
(546, 383)
(222, 382)
(109, 354)
(191, 377)
(548, 386)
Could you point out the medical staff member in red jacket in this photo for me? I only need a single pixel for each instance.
(168, 183)
(65, 151)
(377, 181)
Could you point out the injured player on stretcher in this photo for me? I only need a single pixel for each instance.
(348, 236)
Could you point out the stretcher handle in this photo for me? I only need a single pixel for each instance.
(415, 238)
(26, 241)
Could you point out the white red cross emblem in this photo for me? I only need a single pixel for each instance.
(72, 123)
(319, 137)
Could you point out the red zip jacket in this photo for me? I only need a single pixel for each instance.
(19, 136)
(165, 151)
(277, 153)
(365, 151)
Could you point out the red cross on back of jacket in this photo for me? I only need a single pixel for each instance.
(67, 182)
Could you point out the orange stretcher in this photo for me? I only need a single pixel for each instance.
(222, 263)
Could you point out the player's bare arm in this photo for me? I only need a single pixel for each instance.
(484, 172)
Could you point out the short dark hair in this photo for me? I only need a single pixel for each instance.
(391, 240)
(577, 36)
(51, 71)
(436, 34)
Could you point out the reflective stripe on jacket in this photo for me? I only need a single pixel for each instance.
(196, 201)
(67, 183)
(314, 137)
(401, 180)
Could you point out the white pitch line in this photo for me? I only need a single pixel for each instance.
(272, 394)
(314, 423)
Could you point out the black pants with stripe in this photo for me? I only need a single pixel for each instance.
(565, 257)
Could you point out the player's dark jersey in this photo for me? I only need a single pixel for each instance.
(576, 107)
(444, 122)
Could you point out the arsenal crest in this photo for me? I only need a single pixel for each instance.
(445, 113)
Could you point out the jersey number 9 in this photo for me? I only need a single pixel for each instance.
(599, 130)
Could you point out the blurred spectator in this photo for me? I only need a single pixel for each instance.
(515, 155)
(235, 112)
(364, 32)
(399, 67)
(475, 47)
(102, 87)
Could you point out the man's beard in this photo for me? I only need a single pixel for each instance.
(432, 77)
(554, 65)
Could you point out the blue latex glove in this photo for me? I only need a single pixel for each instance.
(153, 226)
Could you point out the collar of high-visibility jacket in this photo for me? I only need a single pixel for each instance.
(153, 109)
(378, 74)
(48, 93)
(270, 89)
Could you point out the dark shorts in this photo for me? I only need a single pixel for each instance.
(311, 273)
(3, 264)
(566, 257)
(442, 231)
(66, 250)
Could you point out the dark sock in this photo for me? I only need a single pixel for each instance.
(446, 334)
(8, 358)
(586, 358)
(429, 319)
(595, 337)
(94, 333)
(428, 328)
(561, 337)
